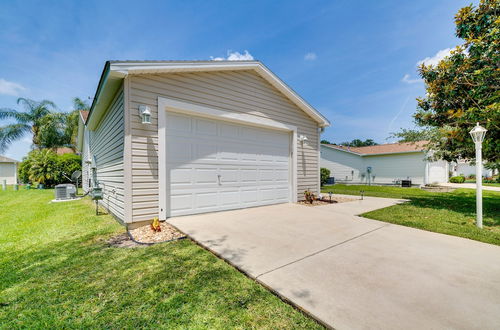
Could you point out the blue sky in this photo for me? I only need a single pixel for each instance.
(354, 61)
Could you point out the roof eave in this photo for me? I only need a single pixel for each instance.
(115, 71)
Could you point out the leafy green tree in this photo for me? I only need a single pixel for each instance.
(414, 135)
(52, 131)
(45, 166)
(360, 143)
(464, 88)
(325, 142)
(27, 121)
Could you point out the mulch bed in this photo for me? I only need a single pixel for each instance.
(335, 199)
(145, 234)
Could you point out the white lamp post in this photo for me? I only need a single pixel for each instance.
(478, 134)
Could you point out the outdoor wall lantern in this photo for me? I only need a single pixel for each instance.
(478, 134)
(302, 138)
(145, 113)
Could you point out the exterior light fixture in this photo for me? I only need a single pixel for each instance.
(145, 113)
(302, 138)
(478, 134)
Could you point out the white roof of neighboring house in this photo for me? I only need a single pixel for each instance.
(115, 71)
(4, 159)
(382, 149)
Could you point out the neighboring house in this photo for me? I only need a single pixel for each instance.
(8, 170)
(383, 164)
(465, 168)
(168, 138)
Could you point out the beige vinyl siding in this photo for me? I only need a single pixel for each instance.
(106, 145)
(237, 91)
(85, 165)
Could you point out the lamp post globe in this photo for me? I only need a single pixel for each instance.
(477, 134)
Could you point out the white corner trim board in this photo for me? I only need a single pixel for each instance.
(184, 108)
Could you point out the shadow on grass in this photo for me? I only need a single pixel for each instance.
(81, 282)
(462, 203)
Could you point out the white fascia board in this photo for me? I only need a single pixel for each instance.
(377, 154)
(393, 153)
(121, 69)
(348, 151)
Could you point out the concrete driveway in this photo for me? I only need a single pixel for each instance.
(353, 273)
(468, 186)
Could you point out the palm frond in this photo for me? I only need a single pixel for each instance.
(79, 104)
(20, 117)
(10, 133)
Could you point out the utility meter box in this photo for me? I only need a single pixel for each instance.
(96, 193)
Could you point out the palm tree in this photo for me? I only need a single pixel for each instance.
(27, 121)
(71, 131)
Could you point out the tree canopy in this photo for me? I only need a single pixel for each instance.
(463, 88)
(360, 143)
(49, 128)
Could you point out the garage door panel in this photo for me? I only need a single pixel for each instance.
(178, 123)
(205, 175)
(181, 202)
(180, 176)
(204, 200)
(206, 127)
(215, 165)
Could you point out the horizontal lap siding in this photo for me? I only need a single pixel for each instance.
(237, 91)
(106, 145)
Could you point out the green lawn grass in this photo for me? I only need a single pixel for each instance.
(450, 213)
(58, 272)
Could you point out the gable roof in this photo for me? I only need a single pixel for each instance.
(4, 159)
(115, 71)
(383, 149)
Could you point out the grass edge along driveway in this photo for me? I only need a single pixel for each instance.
(57, 271)
(451, 213)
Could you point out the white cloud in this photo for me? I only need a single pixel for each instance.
(310, 57)
(407, 79)
(10, 88)
(434, 60)
(234, 56)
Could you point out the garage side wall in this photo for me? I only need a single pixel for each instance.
(344, 167)
(8, 173)
(106, 148)
(387, 168)
(237, 91)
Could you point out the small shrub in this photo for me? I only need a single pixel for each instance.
(46, 167)
(324, 175)
(457, 179)
(155, 225)
(309, 196)
(471, 176)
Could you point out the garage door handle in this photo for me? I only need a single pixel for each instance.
(218, 177)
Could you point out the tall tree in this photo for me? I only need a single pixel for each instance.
(29, 120)
(464, 88)
(360, 143)
(71, 131)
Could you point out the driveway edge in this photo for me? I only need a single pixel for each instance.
(255, 279)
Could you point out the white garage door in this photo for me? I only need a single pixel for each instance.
(216, 165)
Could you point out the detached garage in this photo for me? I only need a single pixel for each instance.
(8, 170)
(167, 139)
(383, 164)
